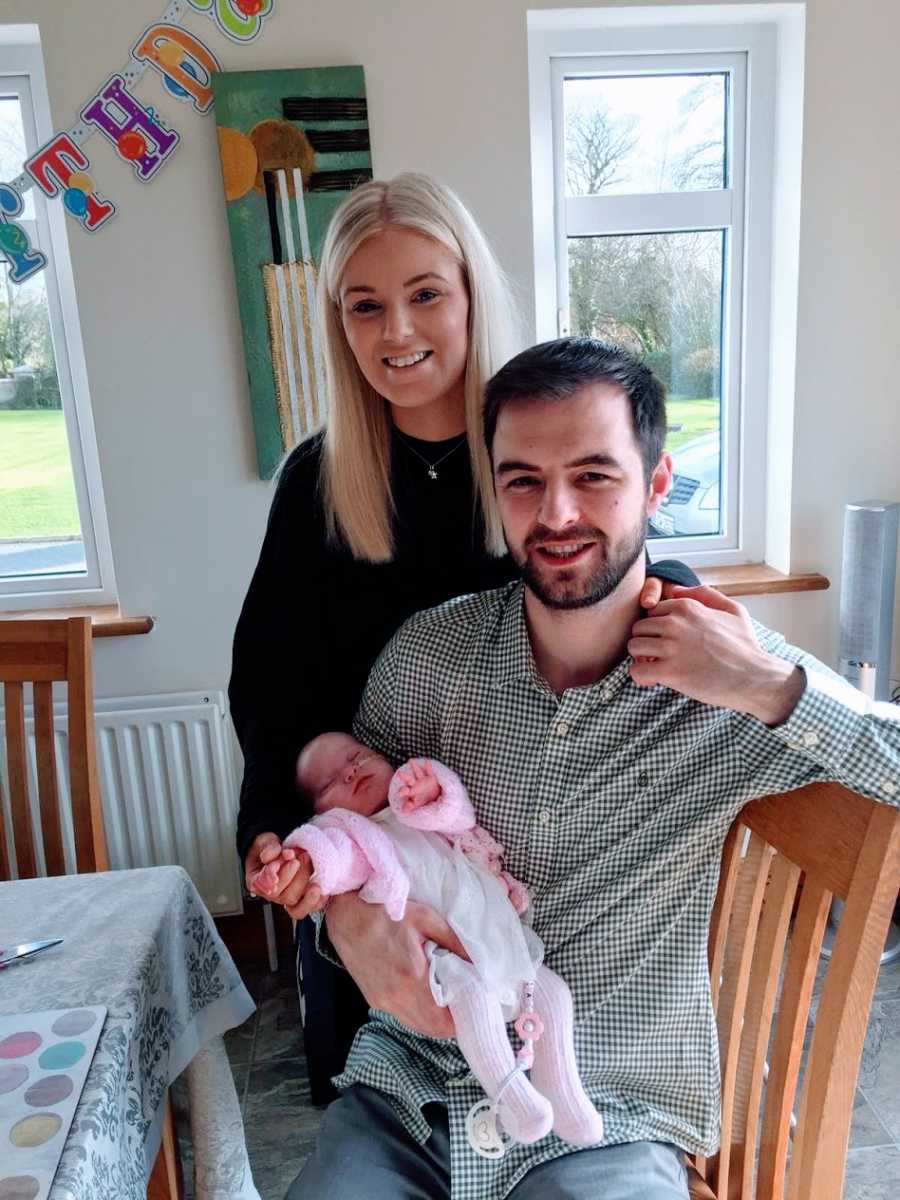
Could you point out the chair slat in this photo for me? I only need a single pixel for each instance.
(793, 1008)
(721, 913)
(817, 1166)
(17, 770)
(718, 935)
(48, 790)
(745, 910)
(767, 962)
(87, 814)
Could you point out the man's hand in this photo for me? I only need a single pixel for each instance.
(291, 888)
(387, 959)
(702, 644)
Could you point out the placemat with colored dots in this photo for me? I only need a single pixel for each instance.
(44, 1061)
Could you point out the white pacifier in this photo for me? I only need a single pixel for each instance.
(483, 1130)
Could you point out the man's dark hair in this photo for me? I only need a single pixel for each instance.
(557, 370)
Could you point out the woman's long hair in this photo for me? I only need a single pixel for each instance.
(355, 480)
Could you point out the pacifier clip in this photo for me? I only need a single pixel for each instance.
(484, 1132)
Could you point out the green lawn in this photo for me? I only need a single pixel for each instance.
(694, 417)
(37, 495)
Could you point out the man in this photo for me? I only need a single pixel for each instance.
(609, 754)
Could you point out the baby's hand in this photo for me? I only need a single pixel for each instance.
(421, 786)
(265, 881)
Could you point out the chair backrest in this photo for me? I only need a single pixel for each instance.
(764, 958)
(40, 653)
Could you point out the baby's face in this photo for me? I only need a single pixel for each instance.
(338, 772)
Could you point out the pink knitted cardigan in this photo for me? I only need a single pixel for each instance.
(351, 852)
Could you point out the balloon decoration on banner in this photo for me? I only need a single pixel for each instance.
(139, 135)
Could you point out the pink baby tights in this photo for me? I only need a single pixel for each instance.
(553, 1098)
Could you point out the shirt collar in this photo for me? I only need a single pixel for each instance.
(513, 658)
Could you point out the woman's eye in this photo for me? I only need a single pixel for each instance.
(520, 482)
(364, 306)
(423, 296)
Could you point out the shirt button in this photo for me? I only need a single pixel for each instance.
(889, 787)
(810, 738)
(562, 728)
(643, 779)
(544, 816)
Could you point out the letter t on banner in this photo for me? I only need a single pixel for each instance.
(136, 135)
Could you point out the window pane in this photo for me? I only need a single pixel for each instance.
(12, 147)
(660, 296)
(645, 133)
(40, 533)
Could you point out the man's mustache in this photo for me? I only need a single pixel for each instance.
(542, 535)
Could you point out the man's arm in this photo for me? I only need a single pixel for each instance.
(705, 646)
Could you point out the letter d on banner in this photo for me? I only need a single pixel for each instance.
(182, 60)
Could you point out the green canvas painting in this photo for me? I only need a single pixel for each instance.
(292, 144)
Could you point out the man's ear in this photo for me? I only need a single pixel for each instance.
(660, 481)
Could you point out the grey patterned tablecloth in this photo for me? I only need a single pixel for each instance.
(143, 944)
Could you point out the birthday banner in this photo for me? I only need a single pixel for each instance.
(140, 137)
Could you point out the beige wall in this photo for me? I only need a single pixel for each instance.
(448, 93)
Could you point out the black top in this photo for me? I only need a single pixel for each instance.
(315, 619)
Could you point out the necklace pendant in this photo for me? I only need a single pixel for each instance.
(432, 473)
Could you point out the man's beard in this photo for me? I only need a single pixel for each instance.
(602, 582)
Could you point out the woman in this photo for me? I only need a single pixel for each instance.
(387, 511)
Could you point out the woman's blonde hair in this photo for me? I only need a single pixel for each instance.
(355, 480)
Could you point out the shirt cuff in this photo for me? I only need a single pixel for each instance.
(825, 722)
(323, 941)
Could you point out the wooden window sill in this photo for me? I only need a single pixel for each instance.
(756, 579)
(106, 620)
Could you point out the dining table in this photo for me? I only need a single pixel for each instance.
(142, 944)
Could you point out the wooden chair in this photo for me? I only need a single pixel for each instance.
(41, 653)
(844, 845)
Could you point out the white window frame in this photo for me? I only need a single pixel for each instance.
(22, 74)
(643, 39)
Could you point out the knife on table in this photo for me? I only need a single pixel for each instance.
(19, 953)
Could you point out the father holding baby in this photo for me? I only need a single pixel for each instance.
(608, 752)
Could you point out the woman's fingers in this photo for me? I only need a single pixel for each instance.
(651, 592)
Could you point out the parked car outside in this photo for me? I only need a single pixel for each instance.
(692, 505)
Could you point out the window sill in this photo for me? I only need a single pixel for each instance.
(756, 579)
(106, 621)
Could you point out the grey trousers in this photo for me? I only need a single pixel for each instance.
(365, 1153)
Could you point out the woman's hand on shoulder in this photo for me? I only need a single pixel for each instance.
(654, 590)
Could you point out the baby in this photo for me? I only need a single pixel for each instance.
(411, 834)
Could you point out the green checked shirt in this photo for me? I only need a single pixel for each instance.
(613, 803)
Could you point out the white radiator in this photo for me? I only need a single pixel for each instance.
(168, 785)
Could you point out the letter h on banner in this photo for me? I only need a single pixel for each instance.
(136, 135)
